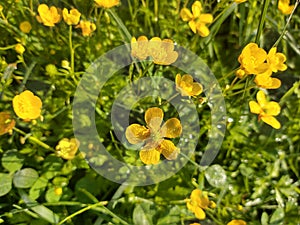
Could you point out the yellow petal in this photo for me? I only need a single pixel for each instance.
(150, 156)
(188, 79)
(254, 107)
(272, 121)
(136, 133)
(154, 117)
(202, 29)
(186, 14)
(168, 149)
(237, 222)
(272, 108)
(196, 9)
(178, 79)
(193, 26)
(172, 128)
(199, 213)
(267, 82)
(206, 18)
(196, 89)
(261, 98)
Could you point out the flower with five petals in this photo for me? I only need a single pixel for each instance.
(67, 148)
(198, 202)
(186, 86)
(153, 136)
(266, 110)
(71, 18)
(197, 20)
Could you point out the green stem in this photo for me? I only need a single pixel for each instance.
(82, 210)
(26, 76)
(286, 25)
(262, 20)
(241, 91)
(121, 24)
(7, 47)
(35, 140)
(71, 50)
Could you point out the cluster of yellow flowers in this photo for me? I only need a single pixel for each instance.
(161, 51)
(197, 20)
(199, 201)
(254, 60)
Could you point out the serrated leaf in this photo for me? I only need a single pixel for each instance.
(25, 178)
(5, 181)
(12, 160)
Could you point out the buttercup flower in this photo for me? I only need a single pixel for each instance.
(267, 82)
(237, 222)
(67, 148)
(162, 51)
(139, 47)
(87, 27)
(195, 224)
(186, 86)
(240, 1)
(265, 110)
(6, 123)
(198, 202)
(25, 27)
(48, 16)
(197, 20)
(71, 18)
(19, 48)
(27, 106)
(107, 3)
(153, 136)
(285, 7)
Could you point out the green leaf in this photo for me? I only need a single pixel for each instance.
(12, 160)
(38, 187)
(25, 178)
(277, 217)
(51, 196)
(264, 218)
(5, 181)
(216, 176)
(141, 216)
(41, 210)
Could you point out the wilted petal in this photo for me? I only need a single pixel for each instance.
(136, 133)
(154, 117)
(150, 156)
(168, 149)
(172, 128)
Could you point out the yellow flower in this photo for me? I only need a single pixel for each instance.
(197, 20)
(265, 110)
(71, 18)
(27, 106)
(25, 27)
(87, 27)
(276, 60)
(240, 1)
(162, 51)
(139, 47)
(195, 224)
(186, 86)
(58, 191)
(19, 48)
(6, 123)
(48, 16)
(252, 60)
(198, 202)
(237, 222)
(267, 82)
(107, 3)
(285, 7)
(152, 136)
(67, 148)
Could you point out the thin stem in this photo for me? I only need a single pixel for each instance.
(26, 76)
(286, 25)
(71, 50)
(262, 20)
(34, 139)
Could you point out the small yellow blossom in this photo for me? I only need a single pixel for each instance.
(198, 202)
(19, 48)
(265, 110)
(237, 222)
(107, 3)
(1, 8)
(186, 86)
(285, 7)
(197, 20)
(71, 18)
(87, 27)
(161, 51)
(67, 148)
(25, 27)
(240, 1)
(195, 224)
(48, 16)
(6, 123)
(267, 82)
(153, 136)
(58, 191)
(27, 106)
